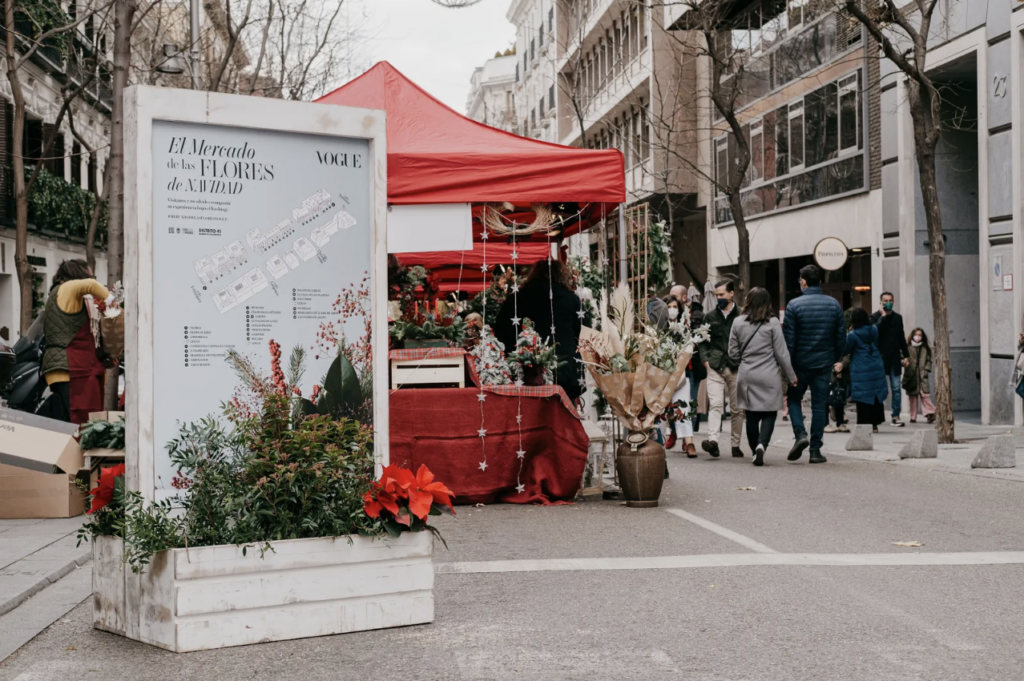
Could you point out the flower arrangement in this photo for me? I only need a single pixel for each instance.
(534, 361)
(489, 358)
(452, 330)
(638, 371)
(403, 500)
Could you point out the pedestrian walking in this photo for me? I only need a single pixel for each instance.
(915, 379)
(892, 341)
(868, 379)
(679, 426)
(815, 331)
(721, 369)
(758, 347)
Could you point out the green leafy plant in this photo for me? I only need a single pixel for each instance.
(450, 329)
(342, 395)
(102, 435)
(59, 207)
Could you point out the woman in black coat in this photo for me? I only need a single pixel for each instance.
(546, 290)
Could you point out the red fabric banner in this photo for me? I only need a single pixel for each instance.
(438, 427)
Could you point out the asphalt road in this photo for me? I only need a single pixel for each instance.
(753, 622)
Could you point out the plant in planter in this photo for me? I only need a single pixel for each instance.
(533, 362)
(272, 501)
(637, 372)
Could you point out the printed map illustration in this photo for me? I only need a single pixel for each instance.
(234, 256)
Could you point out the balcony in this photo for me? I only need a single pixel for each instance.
(633, 77)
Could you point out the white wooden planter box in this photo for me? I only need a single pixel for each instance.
(215, 597)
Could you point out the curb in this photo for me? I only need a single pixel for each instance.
(61, 572)
(933, 464)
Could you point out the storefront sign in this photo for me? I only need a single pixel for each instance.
(830, 254)
(250, 224)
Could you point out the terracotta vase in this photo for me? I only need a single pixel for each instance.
(641, 468)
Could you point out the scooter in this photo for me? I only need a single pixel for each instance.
(21, 381)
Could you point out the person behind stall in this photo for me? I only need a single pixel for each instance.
(70, 366)
(474, 326)
(545, 298)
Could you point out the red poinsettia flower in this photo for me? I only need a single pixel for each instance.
(438, 492)
(104, 493)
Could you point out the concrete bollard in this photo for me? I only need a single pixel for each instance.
(924, 444)
(860, 440)
(999, 451)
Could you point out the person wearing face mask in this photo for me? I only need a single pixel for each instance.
(695, 373)
(915, 380)
(892, 341)
(680, 428)
(721, 368)
(815, 331)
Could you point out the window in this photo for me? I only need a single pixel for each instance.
(796, 135)
(781, 142)
(533, 118)
(756, 170)
(533, 52)
(517, 72)
(541, 107)
(722, 162)
(551, 97)
(76, 164)
(551, 20)
(618, 46)
(796, 11)
(848, 113)
(540, 35)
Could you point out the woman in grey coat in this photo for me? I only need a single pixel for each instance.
(759, 347)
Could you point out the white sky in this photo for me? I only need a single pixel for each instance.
(435, 46)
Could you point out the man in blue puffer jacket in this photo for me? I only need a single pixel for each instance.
(815, 331)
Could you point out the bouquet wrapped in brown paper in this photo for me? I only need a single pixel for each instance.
(638, 371)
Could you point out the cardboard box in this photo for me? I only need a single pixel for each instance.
(112, 416)
(39, 460)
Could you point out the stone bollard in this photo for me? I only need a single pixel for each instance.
(924, 444)
(860, 440)
(999, 451)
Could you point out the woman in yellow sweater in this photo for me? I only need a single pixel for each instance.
(70, 364)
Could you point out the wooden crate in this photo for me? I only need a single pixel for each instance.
(433, 371)
(219, 596)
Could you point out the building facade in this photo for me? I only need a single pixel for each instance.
(492, 94)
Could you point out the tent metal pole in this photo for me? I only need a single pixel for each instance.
(622, 243)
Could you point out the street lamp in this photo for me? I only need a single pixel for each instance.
(172, 63)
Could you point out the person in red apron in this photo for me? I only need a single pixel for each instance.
(71, 367)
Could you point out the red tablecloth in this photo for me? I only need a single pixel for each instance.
(438, 427)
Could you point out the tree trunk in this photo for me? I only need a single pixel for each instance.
(124, 12)
(94, 219)
(925, 140)
(743, 243)
(21, 264)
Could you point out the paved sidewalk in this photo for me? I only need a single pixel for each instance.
(35, 554)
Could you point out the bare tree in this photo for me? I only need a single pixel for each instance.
(902, 34)
(48, 26)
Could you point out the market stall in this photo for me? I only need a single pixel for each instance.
(497, 440)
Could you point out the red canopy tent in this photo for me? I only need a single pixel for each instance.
(436, 155)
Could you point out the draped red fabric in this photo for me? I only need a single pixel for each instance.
(436, 155)
(444, 436)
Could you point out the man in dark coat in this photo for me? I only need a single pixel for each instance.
(721, 371)
(815, 331)
(892, 342)
(546, 291)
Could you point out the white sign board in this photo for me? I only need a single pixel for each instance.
(250, 217)
(420, 228)
(830, 253)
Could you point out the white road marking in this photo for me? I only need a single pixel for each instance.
(736, 560)
(722, 531)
